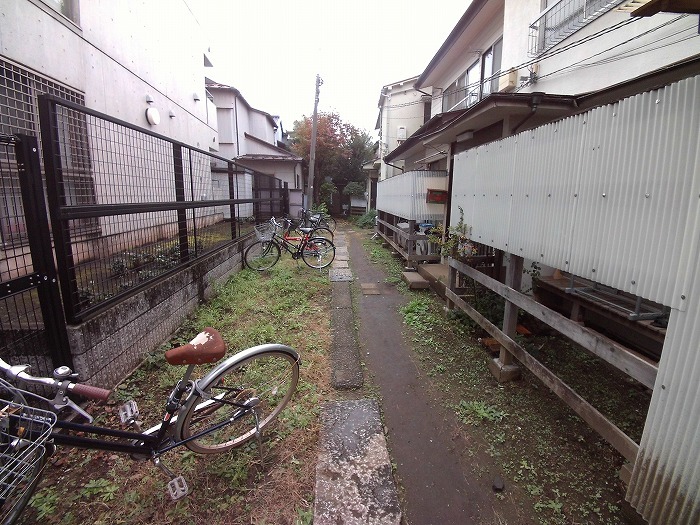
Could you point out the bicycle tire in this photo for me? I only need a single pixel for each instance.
(14, 511)
(261, 255)
(328, 222)
(322, 231)
(264, 376)
(318, 252)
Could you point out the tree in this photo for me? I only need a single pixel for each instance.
(341, 150)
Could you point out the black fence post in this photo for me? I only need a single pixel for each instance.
(232, 195)
(39, 237)
(179, 173)
(48, 122)
(285, 199)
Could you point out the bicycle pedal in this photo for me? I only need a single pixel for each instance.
(128, 412)
(177, 488)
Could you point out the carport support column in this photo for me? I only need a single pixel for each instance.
(504, 367)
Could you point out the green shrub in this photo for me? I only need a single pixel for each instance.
(367, 220)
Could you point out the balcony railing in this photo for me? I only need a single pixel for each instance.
(563, 19)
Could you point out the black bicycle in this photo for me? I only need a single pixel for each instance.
(227, 407)
(316, 252)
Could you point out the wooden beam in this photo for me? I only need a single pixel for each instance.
(620, 357)
(606, 428)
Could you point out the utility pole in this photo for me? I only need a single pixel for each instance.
(312, 155)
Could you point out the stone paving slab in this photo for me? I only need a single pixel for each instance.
(370, 289)
(340, 274)
(354, 481)
(338, 263)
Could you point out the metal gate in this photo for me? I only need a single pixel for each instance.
(32, 324)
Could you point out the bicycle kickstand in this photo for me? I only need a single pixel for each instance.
(258, 435)
(177, 486)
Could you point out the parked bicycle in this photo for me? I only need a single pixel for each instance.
(230, 405)
(316, 252)
(316, 219)
(295, 229)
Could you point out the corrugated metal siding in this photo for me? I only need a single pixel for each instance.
(405, 195)
(605, 195)
(614, 195)
(665, 483)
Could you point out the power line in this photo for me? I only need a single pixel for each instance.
(558, 51)
(616, 46)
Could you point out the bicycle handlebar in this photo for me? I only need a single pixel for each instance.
(18, 372)
(89, 391)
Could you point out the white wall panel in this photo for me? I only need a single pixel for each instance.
(405, 195)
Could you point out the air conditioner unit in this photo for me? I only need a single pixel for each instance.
(509, 81)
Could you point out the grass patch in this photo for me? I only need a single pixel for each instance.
(288, 305)
(557, 469)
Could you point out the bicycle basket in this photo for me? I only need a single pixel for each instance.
(265, 231)
(23, 430)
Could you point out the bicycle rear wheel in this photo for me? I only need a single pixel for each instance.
(258, 381)
(262, 255)
(318, 252)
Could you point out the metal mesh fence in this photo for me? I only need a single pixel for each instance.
(130, 206)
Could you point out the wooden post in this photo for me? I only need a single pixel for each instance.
(514, 277)
(451, 285)
(503, 367)
(410, 244)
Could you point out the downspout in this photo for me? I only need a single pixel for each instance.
(534, 103)
(235, 121)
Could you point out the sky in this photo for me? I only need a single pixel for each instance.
(272, 50)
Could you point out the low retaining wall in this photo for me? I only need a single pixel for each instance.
(109, 346)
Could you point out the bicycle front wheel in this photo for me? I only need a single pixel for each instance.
(318, 252)
(328, 222)
(322, 231)
(253, 385)
(261, 255)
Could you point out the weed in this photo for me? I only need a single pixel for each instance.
(44, 502)
(101, 488)
(474, 412)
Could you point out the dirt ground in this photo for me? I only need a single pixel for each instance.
(468, 450)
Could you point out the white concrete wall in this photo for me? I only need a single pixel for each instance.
(602, 61)
(120, 52)
(401, 106)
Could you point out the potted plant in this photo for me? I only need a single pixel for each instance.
(456, 242)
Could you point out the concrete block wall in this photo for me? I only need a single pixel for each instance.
(109, 346)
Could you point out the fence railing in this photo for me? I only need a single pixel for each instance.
(564, 18)
(129, 207)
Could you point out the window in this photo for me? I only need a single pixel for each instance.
(476, 82)
(68, 8)
(19, 113)
(491, 65)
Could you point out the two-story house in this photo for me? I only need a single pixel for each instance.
(568, 130)
(252, 138)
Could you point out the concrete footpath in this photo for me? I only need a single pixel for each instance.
(423, 443)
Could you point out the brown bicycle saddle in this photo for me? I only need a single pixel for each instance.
(207, 347)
